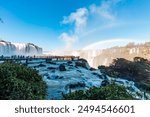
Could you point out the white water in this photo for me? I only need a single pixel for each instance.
(58, 81)
(8, 49)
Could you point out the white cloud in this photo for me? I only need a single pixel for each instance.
(78, 18)
(104, 9)
(68, 39)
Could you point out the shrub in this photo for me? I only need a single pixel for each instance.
(137, 70)
(20, 82)
(109, 92)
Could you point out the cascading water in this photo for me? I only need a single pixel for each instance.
(8, 49)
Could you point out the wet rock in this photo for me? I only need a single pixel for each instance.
(51, 68)
(100, 76)
(101, 67)
(52, 71)
(69, 62)
(41, 65)
(105, 77)
(61, 77)
(50, 62)
(62, 67)
(79, 71)
(76, 85)
(131, 89)
(104, 83)
(71, 65)
(58, 77)
(92, 69)
(81, 64)
(54, 77)
(120, 82)
(83, 60)
(48, 78)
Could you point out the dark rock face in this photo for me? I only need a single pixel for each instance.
(83, 60)
(80, 64)
(62, 67)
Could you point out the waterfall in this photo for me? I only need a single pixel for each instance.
(8, 49)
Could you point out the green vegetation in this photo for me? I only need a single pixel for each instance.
(109, 92)
(18, 82)
(137, 70)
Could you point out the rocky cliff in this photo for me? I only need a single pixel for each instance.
(106, 56)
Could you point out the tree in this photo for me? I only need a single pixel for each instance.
(20, 82)
(109, 92)
(137, 70)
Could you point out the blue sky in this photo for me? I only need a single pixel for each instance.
(73, 24)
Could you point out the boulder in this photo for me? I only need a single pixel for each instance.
(51, 68)
(92, 69)
(69, 62)
(41, 65)
(80, 64)
(62, 67)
